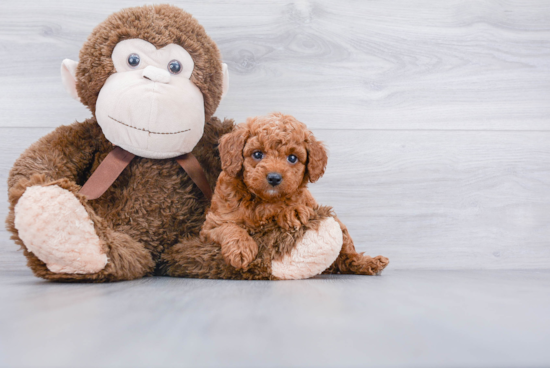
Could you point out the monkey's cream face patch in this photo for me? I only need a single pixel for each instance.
(149, 106)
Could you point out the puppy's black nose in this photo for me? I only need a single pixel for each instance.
(274, 179)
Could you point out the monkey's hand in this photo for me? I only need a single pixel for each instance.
(295, 216)
(239, 251)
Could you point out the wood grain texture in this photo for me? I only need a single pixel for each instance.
(401, 319)
(347, 64)
(443, 199)
(425, 199)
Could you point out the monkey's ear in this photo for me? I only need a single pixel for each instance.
(231, 151)
(68, 77)
(317, 158)
(225, 83)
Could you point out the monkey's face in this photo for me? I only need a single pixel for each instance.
(149, 106)
(152, 93)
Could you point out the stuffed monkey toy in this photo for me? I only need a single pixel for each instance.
(123, 194)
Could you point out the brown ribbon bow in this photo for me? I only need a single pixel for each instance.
(118, 159)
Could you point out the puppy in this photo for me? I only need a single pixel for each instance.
(267, 163)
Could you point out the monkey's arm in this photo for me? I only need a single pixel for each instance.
(66, 153)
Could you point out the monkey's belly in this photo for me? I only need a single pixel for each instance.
(154, 202)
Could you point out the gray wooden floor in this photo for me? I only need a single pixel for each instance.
(400, 319)
(437, 118)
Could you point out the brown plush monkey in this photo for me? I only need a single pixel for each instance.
(152, 79)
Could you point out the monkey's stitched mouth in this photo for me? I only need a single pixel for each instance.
(145, 130)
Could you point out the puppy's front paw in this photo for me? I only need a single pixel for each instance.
(294, 217)
(239, 253)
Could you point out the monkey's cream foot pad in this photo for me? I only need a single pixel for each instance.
(315, 252)
(55, 226)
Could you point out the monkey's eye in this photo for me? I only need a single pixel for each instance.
(133, 60)
(174, 67)
(292, 159)
(258, 155)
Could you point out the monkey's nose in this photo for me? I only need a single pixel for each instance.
(156, 74)
(274, 179)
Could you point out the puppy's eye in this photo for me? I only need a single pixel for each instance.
(292, 159)
(133, 60)
(258, 155)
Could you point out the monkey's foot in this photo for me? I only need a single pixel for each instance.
(313, 254)
(55, 226)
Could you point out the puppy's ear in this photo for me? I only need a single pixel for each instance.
(231, 151)
(317, 158)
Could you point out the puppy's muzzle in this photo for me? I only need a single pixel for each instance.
(274, 179)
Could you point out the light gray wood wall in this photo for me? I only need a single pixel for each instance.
(436, 113)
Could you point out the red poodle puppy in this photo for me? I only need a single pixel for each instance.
(267, 163)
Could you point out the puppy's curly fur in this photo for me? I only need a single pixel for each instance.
(246, 200)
